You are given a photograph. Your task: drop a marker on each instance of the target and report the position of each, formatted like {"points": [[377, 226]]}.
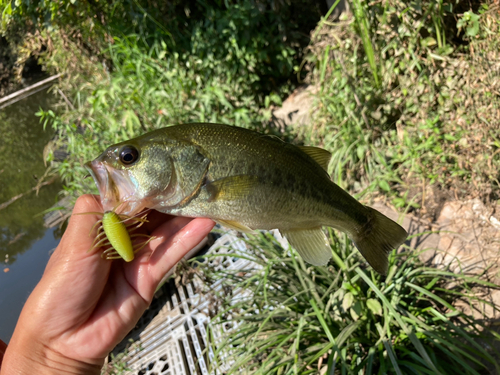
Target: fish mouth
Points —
{"points": [[110, 196], [116, 188]]}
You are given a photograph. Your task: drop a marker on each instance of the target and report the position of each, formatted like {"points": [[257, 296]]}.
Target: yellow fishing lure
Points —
{"points": [[114, 234]]}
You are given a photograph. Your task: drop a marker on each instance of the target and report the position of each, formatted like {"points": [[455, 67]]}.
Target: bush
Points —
{"points": [[255, 41]]}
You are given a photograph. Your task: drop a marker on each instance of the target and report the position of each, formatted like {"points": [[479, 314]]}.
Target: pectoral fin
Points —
{"points": [[311, 244], [235, 225], [231, 188]]}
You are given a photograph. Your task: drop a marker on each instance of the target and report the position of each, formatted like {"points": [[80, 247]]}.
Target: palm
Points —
{"points": [[99, 301]]}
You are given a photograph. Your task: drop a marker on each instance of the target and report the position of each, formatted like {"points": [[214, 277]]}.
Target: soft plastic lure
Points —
{"points": [[114, 234]]}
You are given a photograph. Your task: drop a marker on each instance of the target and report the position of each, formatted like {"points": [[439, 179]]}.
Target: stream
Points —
{"points": [[25, 243]]}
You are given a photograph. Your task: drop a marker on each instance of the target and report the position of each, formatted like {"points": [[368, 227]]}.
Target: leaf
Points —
{"points": [[473, 29], [399, 202], [375, 306], [347, 302], [470, 22], [361, 151], [321, 319], [392, 357], [356, 310], [428, 42], [384, 185]]}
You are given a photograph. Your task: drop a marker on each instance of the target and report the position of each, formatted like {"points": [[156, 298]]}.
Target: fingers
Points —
{"points": [[171, 250], [88, 203], [77, 238], [82, 219], [174, 240], [73, 254], [155, 219], [74, 279]]}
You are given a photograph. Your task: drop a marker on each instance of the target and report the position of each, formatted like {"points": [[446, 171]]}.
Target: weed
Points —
{"points": [[400, 100], [231, 64], [293, 318]]}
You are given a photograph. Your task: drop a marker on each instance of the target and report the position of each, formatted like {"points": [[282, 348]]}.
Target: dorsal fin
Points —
{"points": [[320, 156]]}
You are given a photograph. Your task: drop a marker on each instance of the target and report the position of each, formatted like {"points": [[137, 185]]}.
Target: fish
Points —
{"points": [[245, 181]]}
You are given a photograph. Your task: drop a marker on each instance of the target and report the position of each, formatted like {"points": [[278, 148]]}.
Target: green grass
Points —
{"points": [[292, 318], [406, 97]]}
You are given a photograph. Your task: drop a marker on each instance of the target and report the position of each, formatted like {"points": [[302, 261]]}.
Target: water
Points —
{"points": [[25, 244]]}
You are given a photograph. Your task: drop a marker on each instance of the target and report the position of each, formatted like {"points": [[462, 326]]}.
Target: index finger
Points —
{"points": [[154, 220], [174, 239]]}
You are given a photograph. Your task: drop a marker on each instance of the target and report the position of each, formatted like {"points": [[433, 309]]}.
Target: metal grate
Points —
{"points": [[171, 337]]}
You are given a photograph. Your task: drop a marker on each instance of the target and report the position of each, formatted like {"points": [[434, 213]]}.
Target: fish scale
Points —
{"points": [[246, 181]]}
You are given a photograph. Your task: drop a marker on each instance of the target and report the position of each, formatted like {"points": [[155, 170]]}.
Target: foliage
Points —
{"points": [[6, 65], [116, 365], [291, 318], [137, 66], [470, 22], [432, 117], [262, 39]]}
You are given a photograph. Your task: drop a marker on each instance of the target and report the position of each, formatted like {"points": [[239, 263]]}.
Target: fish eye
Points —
{"points": [[129, 155]]}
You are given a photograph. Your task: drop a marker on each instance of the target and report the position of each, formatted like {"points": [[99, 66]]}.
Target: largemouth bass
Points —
{"points": [[246, 181]]}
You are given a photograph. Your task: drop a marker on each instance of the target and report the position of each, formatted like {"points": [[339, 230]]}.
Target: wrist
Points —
{"points": [[36, 358]]}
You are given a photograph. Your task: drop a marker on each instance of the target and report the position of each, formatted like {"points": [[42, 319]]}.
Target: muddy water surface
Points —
{"points": [[25, 243]]}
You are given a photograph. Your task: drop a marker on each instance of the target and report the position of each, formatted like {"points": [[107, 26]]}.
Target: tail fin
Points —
{"points": [[378, 238]]}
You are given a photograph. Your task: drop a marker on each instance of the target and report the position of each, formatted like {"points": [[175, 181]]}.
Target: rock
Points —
{"points": [[465, 238], [469, 234], [296, 109], [424, 238], [468, 238]]}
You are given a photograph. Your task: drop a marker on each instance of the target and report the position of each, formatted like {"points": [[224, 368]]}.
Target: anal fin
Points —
{"points": [[312, 244], [235, 225]]}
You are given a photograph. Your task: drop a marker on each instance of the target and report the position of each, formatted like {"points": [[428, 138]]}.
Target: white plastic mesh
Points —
{"points": [[171, 337]]}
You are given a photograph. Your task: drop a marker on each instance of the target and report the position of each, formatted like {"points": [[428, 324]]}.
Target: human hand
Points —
{"points": [[84, 305]]}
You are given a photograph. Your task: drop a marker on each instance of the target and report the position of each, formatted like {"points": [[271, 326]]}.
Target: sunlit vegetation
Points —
{"points": [[407, 95], [288, 317]]}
